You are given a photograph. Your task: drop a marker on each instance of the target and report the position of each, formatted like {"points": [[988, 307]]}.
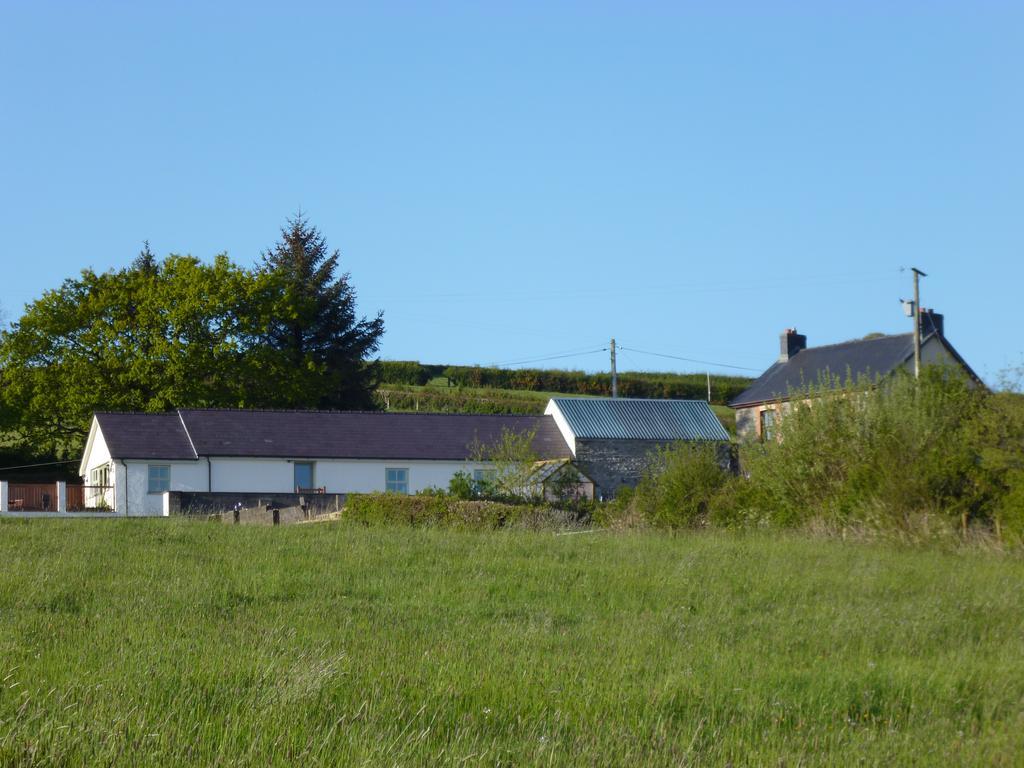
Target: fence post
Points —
{"points": [[62, 496], [3, 496], [166, 511]]}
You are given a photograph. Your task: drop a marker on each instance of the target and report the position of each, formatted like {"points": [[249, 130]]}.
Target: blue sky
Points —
{"points": [[516, 181]]}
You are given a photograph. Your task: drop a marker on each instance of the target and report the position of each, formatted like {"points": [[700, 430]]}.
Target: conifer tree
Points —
{"points": [[316, 349]]}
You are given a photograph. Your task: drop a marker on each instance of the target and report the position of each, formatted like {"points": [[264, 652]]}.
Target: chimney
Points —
{"points": [[931, 322], [791, 342]]}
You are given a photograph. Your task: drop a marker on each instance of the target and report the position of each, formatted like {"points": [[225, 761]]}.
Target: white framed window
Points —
{"points": [[99, 476], [304, 475], [481, 476], [159, 478], [396, 480]]}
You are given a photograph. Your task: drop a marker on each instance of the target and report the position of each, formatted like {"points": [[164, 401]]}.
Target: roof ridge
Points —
{"points": [[179, 411], [631, 399], [854, 341]]}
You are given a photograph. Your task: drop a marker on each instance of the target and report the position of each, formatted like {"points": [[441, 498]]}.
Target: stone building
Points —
{"points": [[764, 402]]}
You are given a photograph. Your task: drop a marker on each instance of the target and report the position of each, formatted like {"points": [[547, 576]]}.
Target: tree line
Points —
{"points": [[178, 332]]}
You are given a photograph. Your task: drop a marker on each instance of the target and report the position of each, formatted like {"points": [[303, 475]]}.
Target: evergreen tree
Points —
{"points": [[315, 348]]}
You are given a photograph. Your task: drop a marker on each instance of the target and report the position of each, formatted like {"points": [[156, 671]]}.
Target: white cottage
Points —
{"points": [[140, 456]]}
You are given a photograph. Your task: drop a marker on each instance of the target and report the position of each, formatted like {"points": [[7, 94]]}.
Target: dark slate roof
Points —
{"points": [[628, 418], [145, 436], [321, 434], [873, 357]]}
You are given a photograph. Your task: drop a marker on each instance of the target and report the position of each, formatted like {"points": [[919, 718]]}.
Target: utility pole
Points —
{"points": [[917, 321], [709, 387], [615, 375]]}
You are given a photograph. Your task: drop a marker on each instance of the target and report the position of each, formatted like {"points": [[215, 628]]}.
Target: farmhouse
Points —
{"points": [[799, 366], [139, 457]]}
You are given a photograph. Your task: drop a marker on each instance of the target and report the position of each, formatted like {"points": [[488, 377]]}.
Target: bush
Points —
{"points": [[885, 455], [921, 457], [680, 486]]}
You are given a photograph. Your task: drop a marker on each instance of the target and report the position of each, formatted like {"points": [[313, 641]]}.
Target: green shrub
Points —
{"points": [[680, 486], [879, 454]]}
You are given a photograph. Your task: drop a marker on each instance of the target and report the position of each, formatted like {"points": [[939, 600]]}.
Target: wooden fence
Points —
{"points": [[90, 498], [43, 497], [32, 497]]}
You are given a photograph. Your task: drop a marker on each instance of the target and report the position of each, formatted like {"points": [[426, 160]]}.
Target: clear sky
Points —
{"points": [[512, 181]]}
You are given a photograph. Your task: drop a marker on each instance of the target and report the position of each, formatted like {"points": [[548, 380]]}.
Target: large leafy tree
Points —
{"points": [[315, 349], [150, 337]]}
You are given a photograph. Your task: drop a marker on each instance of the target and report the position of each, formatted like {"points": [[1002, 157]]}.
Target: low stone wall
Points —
{"points": [[189, 503], [267, 515]]}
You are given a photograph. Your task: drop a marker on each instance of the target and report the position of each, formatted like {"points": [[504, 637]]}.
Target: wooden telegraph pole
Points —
{"points": [[615, 375], [917, 321]]}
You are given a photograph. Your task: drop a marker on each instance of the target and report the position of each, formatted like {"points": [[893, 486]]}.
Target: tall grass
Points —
{"points": [[175, 642]]}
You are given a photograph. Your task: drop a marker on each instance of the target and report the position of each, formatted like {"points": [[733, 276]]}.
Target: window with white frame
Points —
{"points": [[100, 476], [767, 425], [484, 475], [396, 480], [159, 478]]}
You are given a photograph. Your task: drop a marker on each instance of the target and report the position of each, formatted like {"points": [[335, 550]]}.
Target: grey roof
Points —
{"points": [[318, 434], [874, 357], [145, 436], [628, 418]]}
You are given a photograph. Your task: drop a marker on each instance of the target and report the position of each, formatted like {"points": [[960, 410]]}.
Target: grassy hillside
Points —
{"points": [[437, 395], [168, 642]]}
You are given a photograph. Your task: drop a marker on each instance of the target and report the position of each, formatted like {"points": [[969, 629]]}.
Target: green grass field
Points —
{"points": [[175, 642]]}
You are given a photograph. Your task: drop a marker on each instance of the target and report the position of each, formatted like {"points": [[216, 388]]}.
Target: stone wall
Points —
{"points": [[190, 503], [746, 423], [613, 464]]}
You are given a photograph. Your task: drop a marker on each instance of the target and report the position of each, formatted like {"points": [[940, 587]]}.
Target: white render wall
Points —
{"points": [[568, 435], [336, 475], [185, 476], [98, 456], [277, 476]]}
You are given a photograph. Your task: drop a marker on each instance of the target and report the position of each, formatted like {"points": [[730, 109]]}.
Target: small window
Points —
{"points": [[99, 476], [396, 480], [159, 478], [484, 477], [767, 425], [304, 475]]}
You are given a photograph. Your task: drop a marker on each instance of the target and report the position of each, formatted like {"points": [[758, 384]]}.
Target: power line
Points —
{"points": [[691, 360], [43, 464], [549, 357]]}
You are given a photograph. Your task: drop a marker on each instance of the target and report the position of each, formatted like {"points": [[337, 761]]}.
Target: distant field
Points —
{"points": [[436, 395], [172, 642]]}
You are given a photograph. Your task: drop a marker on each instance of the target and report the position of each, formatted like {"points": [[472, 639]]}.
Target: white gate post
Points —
{"points": [[62, 496], [3, 496]]}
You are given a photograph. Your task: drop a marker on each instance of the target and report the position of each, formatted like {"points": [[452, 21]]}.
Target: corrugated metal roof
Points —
{"points": [[628, 418]]}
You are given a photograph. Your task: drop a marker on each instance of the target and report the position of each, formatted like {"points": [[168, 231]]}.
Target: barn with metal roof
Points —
{"points": [[612, 440]]}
